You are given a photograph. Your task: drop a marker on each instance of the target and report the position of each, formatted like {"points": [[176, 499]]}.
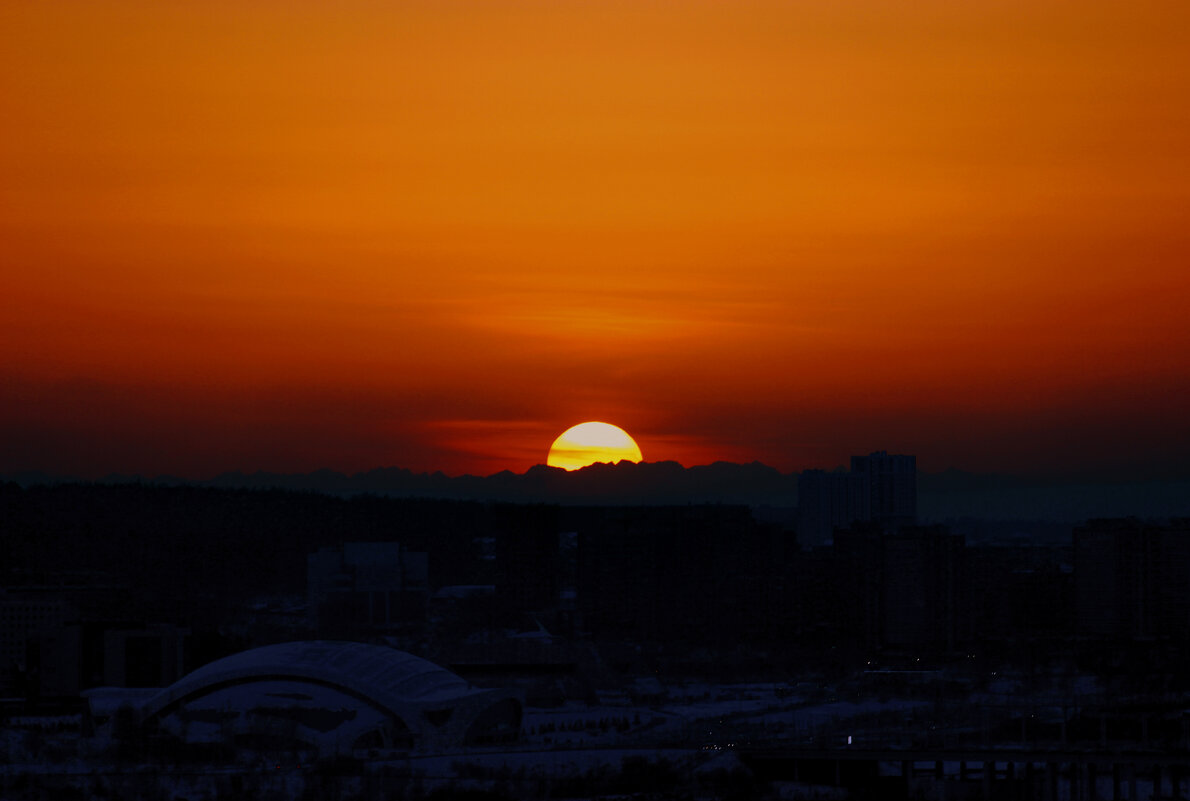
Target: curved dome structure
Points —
{"points": [[334, 697]]}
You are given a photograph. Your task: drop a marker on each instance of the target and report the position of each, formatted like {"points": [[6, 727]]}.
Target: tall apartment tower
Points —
{"points": [[827, 501], [1132, 578], [901, 589], [891, 481], [880, 488]]}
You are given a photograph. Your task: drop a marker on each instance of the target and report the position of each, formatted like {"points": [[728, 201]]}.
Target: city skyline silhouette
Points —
{"points": [[522, 400]]}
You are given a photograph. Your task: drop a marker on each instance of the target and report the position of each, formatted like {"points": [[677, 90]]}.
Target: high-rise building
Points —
{"points": [[923, 581], [1132, 578], [903, 589], [826, 501], [891, 480], [880, 488]]}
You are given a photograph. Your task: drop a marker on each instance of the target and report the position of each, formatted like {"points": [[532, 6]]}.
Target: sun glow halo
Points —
{"points": [[588, 443]]}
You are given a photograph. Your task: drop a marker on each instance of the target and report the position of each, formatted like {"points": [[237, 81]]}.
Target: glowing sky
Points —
{"points": [[291, 235]]}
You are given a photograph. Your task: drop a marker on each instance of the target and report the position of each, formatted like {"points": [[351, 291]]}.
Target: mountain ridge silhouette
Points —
{"points": [[946, 495]]}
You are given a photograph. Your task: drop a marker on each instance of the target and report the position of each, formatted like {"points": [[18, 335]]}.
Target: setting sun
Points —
{"points": [[588, 443]]}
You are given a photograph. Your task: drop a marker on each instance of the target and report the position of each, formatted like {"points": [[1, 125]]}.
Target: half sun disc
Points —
{"points": [[588, 443]]}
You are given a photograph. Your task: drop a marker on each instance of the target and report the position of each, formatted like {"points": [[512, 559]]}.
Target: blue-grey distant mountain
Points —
{"points": [[650, 483], [944, 496]]}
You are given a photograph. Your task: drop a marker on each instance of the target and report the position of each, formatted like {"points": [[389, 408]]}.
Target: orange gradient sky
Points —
{"points": [[291, 235]]}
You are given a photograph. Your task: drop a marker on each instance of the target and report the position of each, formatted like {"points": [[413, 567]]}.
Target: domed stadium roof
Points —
{"points": [[372, 669], [433, 705]]}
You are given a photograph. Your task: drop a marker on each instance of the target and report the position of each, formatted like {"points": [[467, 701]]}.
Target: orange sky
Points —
{"points": [[290, 235]]}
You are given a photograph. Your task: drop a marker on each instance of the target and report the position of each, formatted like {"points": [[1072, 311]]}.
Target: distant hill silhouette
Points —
{"points": [[626, 483], [943, 496]]}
